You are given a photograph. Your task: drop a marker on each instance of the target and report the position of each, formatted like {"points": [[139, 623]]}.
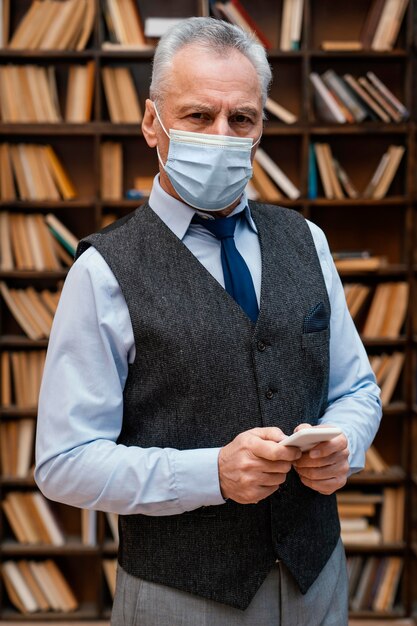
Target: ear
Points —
{"points": [[148, 121]]}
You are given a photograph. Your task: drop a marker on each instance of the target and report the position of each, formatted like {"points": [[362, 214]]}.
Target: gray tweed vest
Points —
{"points": [[204, 373]]}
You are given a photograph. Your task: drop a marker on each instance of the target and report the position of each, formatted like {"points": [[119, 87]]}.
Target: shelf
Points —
{"points": [[73, 548], [18, 341], [393, 476], [33, 275], [16, 412], [387, 226]]}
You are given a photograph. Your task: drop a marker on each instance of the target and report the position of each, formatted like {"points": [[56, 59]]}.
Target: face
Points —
{"points": [[206, 94]]}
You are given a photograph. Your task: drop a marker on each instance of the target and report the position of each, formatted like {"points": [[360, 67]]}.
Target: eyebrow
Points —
{"points": [[204, 108]]}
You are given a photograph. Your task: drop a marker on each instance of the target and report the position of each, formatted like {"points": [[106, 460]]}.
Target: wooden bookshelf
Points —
{"points": [[387, 227]]}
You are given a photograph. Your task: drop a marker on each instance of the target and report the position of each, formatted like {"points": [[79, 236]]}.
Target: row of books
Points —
{"points": [[35, 242], [371, 518], [31, 519], [33, 310], [374, 462], [124, 25], [386, 314], [37, 172], [21, 374], [358, 261], [349, 99], [16, 447], [37, 586], [68, 24], [337, 184], [121, 95], [373, 582], [53, 25], [387, 369], [28, 94], [112, 172], [380, 28]]}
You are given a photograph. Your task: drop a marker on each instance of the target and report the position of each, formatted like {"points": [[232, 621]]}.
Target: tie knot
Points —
{"points": [[221, 227]]}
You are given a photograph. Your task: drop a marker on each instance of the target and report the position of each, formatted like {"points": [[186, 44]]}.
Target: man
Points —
{"points": [[164, 398]]}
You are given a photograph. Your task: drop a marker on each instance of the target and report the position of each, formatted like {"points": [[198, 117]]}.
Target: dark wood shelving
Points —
{"points": [[387, 227]]}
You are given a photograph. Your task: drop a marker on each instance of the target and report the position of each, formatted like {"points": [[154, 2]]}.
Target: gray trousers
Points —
{"points": [[278, 602]]}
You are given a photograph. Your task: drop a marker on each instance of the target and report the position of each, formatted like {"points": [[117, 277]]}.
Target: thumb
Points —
{"points": [[269, 433], [302, 427]]}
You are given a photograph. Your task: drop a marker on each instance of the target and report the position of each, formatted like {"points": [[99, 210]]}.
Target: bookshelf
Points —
{"points": [[386, 226]]}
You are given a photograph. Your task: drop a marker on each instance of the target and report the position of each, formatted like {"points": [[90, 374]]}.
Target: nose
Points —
{"points": [[221, 126]]}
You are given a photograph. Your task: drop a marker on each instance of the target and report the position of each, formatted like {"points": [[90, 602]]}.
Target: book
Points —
{"points": [[279, 111], [18, 591], [234, 12], [280, 179], [337, 86], [374, 461], [394, 156], [374, 109], [348, 45], [390, 111], [326, 106], [121, 95], [62, 233], [60, 176], [324, 169], [55, 25], [312, 173], [388, 95], [387, 311], [111, 161], [124, 24], [389, 25], [264, 185], [345, 180], [371, 21], [80, 90], [388, 586]]}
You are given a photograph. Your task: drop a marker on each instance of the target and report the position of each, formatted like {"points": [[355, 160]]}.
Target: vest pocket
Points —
{"points": [[311, 340]]}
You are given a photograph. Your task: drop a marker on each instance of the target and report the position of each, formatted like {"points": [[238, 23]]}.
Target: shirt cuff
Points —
{"points": [[196, 477]]}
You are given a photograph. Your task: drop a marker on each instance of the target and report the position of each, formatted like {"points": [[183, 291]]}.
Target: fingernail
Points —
{"points": [[315, 454]]}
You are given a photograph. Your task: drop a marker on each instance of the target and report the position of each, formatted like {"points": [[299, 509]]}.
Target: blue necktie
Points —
{"points": [[237, 278]]}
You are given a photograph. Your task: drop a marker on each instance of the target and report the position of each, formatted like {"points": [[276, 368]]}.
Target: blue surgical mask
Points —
{"points": [[208, 172]]}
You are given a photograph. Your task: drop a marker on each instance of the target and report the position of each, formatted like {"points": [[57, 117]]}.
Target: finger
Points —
{"points": [[325, 487], [307, 461], [327, 448], [271, 451], [302, 426], [271, 433], [324, 473]]}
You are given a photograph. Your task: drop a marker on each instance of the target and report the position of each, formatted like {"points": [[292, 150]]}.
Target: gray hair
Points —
{"points": [[217, 36]]}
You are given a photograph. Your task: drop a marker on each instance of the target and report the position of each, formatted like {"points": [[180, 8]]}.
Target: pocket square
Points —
{"points": [[316, 319]]}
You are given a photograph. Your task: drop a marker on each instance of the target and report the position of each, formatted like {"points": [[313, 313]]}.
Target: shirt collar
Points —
{"points": [[177, 215]]}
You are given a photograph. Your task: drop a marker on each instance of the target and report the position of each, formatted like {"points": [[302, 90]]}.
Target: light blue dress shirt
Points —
{"points": [[91, 344]]}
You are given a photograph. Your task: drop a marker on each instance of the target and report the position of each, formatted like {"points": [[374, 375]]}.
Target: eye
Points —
{"points": [[198, 115], [240, 118]]}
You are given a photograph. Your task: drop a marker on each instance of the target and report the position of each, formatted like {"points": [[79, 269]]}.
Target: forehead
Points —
{"points": [[197, 72]]}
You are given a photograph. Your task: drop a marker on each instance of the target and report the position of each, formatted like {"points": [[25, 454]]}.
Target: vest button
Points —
{"points": [[269, 394], [261, 346]]}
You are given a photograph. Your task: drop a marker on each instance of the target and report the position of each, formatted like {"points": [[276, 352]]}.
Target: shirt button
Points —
{"points": [[261, 346], [269, 394]]}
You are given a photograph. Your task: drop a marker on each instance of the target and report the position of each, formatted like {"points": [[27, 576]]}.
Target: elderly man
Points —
{"points": [[191, 338]]}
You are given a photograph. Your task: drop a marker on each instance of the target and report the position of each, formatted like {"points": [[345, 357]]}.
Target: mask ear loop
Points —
{"points": [[159, 120], [165, 131]]}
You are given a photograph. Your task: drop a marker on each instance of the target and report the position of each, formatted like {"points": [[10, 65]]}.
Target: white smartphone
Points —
{"points": [[307, 438]]}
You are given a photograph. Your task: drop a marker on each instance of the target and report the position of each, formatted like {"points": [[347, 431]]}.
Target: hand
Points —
{"points": [[252, 466], [325, 467]]}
